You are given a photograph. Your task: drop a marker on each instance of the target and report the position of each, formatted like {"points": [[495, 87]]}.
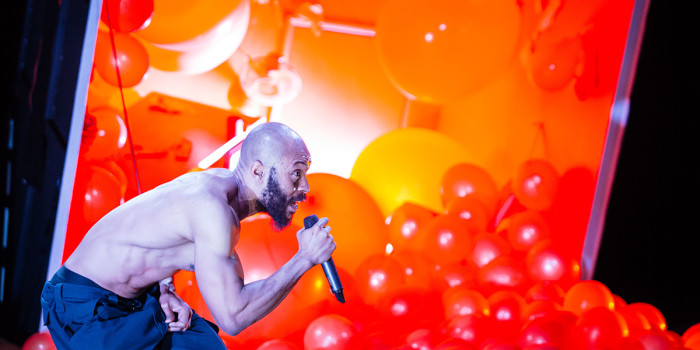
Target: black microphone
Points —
{"points": [[328, 266]]}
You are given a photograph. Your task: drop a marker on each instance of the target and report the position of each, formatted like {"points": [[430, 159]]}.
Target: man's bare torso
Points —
{"points": [[152, 236]]}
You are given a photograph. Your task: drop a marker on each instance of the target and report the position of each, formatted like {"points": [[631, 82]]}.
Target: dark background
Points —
{"points": [[648, 252]]}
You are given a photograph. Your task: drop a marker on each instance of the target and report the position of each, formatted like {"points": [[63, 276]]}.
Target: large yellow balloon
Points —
{"points": [[407, 165]]}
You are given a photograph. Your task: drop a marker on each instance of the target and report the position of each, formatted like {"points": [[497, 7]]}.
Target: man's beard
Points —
{"points": [[274, 202]]}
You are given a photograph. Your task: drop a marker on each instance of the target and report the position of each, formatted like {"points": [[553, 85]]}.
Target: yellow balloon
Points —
{"points": [[407, 165]]}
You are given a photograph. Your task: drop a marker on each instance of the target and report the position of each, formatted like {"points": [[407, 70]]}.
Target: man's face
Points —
{"points": [[278, 204]]}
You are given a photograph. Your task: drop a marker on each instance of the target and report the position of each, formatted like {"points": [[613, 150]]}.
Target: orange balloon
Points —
{"points": [[405, 223], [586, 295], [552, 66], [183, 25], [131, 59], [417, 268], [535, 184], [468, 180], [488, 246], [545, 290], [104, 133], [503, 273], [357, 224], [386, 167], [546, 264], [450, 49], [471, 211]]}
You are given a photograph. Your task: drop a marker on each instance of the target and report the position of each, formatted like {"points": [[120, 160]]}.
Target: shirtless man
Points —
{"points": [[107, 293]]}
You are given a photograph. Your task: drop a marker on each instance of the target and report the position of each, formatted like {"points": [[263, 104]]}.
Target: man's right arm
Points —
{"points": [[236, 305]]}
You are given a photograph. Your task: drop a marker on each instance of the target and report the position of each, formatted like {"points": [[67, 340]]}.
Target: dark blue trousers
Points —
{"points": [[82, 315]]}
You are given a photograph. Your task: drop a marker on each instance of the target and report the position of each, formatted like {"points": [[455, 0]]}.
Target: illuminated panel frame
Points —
{"points": [[618, 119]]}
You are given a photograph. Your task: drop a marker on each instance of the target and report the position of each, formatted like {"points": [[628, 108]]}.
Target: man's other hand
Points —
{"points": [[177, 313]]}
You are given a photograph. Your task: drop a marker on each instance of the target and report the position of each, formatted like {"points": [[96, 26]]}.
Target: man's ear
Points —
{"points": [[258, 171]]}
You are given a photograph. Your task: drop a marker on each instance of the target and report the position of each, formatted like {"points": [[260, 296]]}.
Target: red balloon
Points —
{"points": [[503, 273], [330, 332], [545, 264], [422, 339], [656, 340], [39, 341], [586, 295], [406, 309], [131, 59], [418, 270], [127, 15], [487, 247], [469, 181], [405, 224], [378, 275], [472, 211], [600, 328], [691, 331], [104, 133], [471, 328], [636, 322], [276, 344], [526, 229], [535, 184], [461, 301], [99, 192], [553, 329], [539, 308], [506, 312], [447, 240], [461, 273], [545, 290], [455, 344], [651, 313]]}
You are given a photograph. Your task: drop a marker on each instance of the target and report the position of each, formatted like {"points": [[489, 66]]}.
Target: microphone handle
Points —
{"points": [[332, 276]]}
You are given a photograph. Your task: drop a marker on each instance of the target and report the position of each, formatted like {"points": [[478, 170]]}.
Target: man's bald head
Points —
{"points": [[271, 143]]}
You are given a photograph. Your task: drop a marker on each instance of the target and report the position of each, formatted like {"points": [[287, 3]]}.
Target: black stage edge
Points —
{"points": [[41, 48], [649, 251]]}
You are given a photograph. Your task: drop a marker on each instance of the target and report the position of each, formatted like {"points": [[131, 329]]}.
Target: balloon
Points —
{"points": [[445, 53], [455, 344], [461, 273], [466, 180], [586, 295], [104, 133], [545, 290], [330, 332], [98, 190], [504, 273], [378, 275], [471, 211], [555, 329], [422, 339], [131, 59], [654, 339], [446, 240], [357, 224], [600, 328], [461, 301], [552, 66], [386, 167], [405, 223], [651, 313], [407, 308], [636, 322], [539, 308], [471, 328], [127, 15], [526, 229], [535, 184], [545, 264], [691, 331], [39, 341], [488, 246], [276, 344], [207, 23], [506, 312], [418, 270]]}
